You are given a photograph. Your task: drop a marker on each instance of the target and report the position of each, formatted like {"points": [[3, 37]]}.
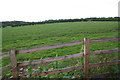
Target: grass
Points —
{"points": [[49, 34]]}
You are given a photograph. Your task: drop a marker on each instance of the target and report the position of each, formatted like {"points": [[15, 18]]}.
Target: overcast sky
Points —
{"points": [[39, 10]]}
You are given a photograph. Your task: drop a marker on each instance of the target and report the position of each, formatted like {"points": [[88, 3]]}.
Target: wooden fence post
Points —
{"points": [[86, 56], [14, 63]]}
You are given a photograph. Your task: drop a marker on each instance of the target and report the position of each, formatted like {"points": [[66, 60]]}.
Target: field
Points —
{"points": [[56, 33]]}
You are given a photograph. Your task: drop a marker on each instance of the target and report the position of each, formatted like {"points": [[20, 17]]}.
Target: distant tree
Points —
{"points": [[22, 23]]}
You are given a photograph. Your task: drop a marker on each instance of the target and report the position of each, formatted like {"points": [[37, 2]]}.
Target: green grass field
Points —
{"points": [[49, 34]]}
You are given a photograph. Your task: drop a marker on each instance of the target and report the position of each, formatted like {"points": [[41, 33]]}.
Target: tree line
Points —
{"points": [[23, 23]]}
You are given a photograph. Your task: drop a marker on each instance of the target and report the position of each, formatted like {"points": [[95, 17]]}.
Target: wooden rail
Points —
{"points": [[103, 75], [15, 65], [56, 71], [49, 60], [5, 55], [73, 68], [5, 68], [65, 44], [104, 64], [59, 45]]}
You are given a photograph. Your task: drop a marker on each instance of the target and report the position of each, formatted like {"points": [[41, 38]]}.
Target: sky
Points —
{"points": [[40, 10]]}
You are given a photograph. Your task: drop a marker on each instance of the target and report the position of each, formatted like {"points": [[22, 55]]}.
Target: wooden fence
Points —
{"points": [[17, 66]]}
